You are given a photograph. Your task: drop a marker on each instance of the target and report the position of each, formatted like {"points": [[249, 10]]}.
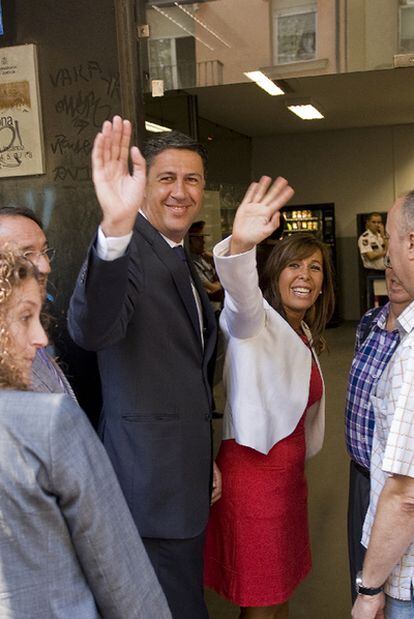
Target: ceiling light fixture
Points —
{"points": [[264, 82], [202, 24], [177, 23], [305, 109], [155, 128]]}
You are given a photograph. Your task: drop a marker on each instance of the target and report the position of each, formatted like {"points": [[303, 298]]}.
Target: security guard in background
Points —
{"points": [[373, 246]]}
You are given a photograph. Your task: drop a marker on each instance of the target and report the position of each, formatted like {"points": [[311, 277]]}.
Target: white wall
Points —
{"points": [[360, 170], [371, 33]]}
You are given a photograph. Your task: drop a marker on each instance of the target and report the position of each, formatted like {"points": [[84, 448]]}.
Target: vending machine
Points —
{"points": [[319, 219]]}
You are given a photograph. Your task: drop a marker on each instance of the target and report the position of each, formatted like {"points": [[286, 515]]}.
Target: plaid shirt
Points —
{"points": [[372, 355], [393, 444]]}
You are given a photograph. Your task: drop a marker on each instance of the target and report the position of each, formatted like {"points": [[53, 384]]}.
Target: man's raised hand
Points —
{"points": [[120, 194]]}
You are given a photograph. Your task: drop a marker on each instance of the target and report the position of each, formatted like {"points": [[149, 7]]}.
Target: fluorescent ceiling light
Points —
{"points": [[149, 126], [264, 82], [306, 111]]}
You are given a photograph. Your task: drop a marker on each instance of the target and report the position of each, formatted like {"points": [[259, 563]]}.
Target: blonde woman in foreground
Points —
{"points": [[69, 547]]}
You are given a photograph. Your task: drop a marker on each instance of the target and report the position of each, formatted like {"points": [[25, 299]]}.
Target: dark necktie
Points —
{"points": [[180, 253], [179, 250]]}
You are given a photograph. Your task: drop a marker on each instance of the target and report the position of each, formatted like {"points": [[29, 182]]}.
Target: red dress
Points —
{"points": [[257, 545]]}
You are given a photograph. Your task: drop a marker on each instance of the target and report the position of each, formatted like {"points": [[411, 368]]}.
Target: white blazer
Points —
{"points": [[267, 366]]}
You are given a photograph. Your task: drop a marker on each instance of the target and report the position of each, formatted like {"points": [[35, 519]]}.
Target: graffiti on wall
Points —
{"points": [[85, 95]]}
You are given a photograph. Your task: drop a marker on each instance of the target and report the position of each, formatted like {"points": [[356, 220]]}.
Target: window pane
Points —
{"points": [[407, 29], [296, 36]]}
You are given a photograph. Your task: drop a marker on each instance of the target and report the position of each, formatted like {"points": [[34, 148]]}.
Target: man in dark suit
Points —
{"points": [[139, 303]]}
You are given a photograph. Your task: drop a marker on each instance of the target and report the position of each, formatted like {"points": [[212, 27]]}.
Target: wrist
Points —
{"points": [[116, 228], [239, 247], [366, 589]]}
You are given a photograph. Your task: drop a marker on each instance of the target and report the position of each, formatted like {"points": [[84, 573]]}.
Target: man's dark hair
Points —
{"points": [[172, 139], [20, 211]]}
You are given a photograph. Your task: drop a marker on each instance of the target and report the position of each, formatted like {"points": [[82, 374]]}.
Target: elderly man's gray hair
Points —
{"points": [[407, 212]]}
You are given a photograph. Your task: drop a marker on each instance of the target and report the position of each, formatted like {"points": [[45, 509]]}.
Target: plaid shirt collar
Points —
{"points": [[380, 319]]}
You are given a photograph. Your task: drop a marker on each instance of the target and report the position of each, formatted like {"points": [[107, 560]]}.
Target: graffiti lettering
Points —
{"points": [[79, 173], [112, 86], [79, 123], [63, 144], [80, 73], [85, 107]]}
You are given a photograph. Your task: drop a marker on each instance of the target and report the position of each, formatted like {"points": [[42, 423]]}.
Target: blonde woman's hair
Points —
{"points": [[14, 270]]}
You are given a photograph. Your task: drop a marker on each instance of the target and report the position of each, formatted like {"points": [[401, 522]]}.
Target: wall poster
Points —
{"points": [[21, 135]]}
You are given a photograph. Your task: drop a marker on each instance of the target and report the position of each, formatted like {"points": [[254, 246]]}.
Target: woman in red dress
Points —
{"points": [[257, 545]]}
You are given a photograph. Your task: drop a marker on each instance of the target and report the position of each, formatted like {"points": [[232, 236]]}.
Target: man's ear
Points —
{"points": [[411, 245]]}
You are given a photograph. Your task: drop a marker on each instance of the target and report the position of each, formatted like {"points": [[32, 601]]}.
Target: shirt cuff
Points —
{"points": [[111, 247], [222, 250]]}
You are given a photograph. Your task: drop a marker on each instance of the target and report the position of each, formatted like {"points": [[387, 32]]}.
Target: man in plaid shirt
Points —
{"points": [[386, 582], [376, 340]]}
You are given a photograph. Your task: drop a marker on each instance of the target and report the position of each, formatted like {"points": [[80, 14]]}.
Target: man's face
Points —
{"points": [[174, 192], [196, 244], [374, 223], [26, 236], [398, 248], [397, 294]]}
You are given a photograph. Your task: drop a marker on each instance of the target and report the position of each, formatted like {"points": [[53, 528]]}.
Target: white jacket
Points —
{"points": [[267, 366]]}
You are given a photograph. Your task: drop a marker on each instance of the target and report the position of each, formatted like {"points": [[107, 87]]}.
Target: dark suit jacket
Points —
{"points": [[155, 422]]}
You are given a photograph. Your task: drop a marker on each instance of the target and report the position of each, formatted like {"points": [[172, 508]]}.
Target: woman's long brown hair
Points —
{"points": [[297, 247]]}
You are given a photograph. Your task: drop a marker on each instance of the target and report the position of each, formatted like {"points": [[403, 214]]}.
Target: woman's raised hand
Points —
{"points": [[119, 193], [258, 215]]}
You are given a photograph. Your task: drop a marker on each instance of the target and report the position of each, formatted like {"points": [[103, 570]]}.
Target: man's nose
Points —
{"points": [[178, 190], [42, 262]]}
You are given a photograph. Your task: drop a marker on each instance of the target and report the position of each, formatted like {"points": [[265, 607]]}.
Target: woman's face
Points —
{"points": [[300, 283], [23, 322]]}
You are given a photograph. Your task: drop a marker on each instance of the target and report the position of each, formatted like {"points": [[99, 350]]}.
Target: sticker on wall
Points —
{"points": [[21, 135]]}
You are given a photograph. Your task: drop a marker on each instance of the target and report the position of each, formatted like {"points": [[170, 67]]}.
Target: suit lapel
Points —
{"points": [[209, 319]]}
